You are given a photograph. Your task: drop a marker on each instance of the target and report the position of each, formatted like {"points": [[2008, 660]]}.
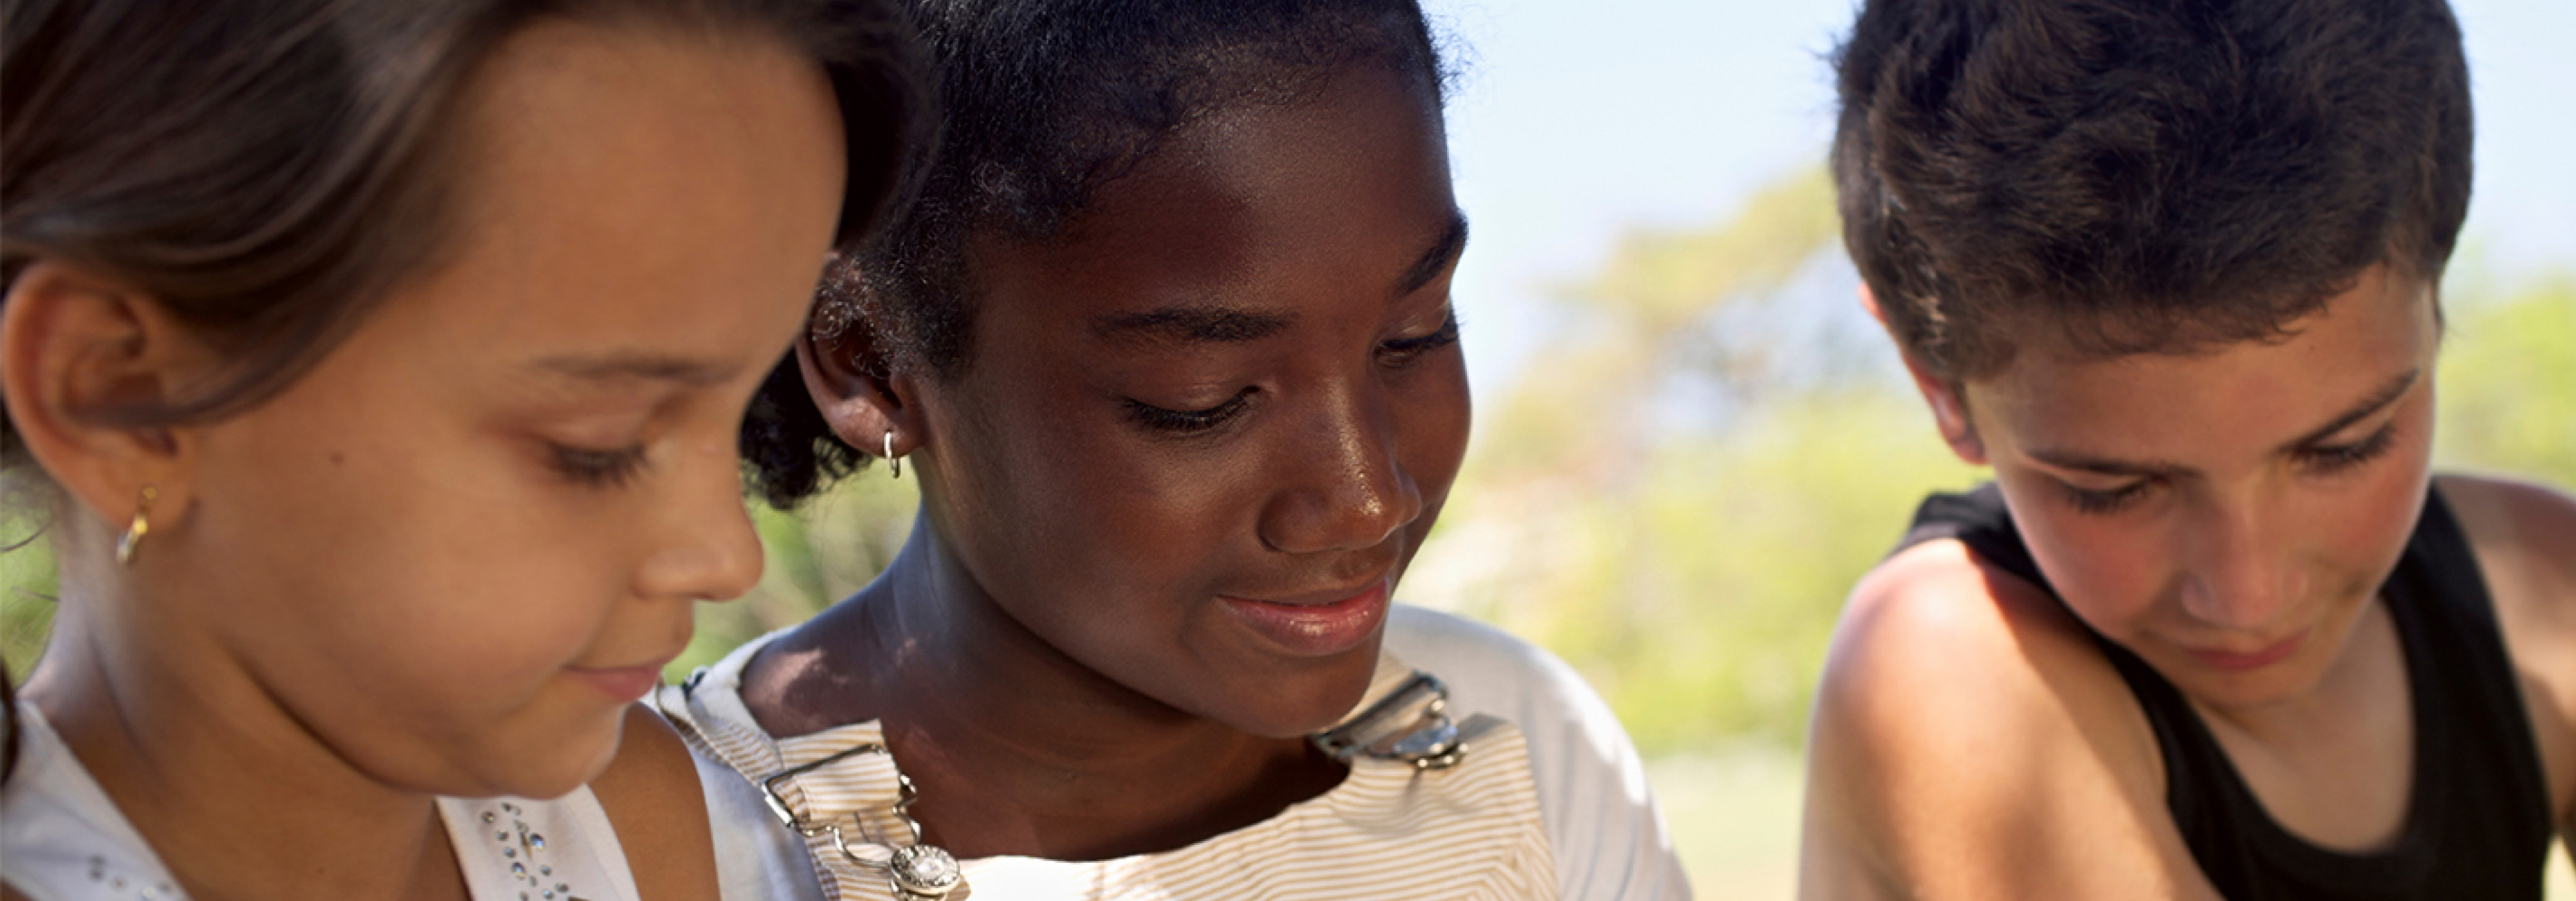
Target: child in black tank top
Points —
{"points": [[2478, 822], [2216, 631]]}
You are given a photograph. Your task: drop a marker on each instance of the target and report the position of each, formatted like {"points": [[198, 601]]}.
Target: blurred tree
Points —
{"points": [[2508, 384], [27, 581], [1677, 494]]}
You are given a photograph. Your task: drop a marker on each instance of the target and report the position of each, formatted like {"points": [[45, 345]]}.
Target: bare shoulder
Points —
{"points": [[1970, 741], [652, 797], [1937, 648], [2524, 536]]}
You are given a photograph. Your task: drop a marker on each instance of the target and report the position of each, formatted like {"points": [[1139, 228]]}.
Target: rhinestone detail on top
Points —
{"points": [[525, 849]]}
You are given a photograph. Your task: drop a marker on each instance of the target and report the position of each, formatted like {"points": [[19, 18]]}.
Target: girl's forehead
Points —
{"points": [[1340, 194]]}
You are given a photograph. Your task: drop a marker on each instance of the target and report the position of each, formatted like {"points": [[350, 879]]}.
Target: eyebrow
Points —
{"points": [[1212, 323], [1193, 324], [2377, 400], [631, 365], [1444, 251]]}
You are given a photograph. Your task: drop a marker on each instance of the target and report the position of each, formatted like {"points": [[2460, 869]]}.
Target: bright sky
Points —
{"points": [[1579, 119]]}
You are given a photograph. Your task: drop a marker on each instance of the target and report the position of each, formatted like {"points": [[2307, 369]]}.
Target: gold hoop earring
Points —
{"points": [[891, 460], [135, 531]]}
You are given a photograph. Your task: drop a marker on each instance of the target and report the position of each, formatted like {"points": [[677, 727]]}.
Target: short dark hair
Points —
{"points": [[268, 169], [2147, 175], [1044, 101]]}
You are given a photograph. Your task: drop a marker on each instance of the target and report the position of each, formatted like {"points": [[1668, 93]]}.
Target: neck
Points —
{"points": [[2335, 764], [1018, 748], [233, 794]]}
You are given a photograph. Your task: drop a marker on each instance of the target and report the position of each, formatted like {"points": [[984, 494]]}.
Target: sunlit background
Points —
{"points": [[1690, 439]]}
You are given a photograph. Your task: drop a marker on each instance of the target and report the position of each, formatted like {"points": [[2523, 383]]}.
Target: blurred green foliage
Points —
{"points": [[2508, 383], [1678, 492], [27, 580]]}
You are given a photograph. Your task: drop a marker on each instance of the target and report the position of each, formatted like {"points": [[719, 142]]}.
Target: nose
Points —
{"points": [[2240, 572], [1349, 490], [705, 546]]}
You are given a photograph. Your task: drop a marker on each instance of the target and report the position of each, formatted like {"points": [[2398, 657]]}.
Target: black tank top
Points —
{"points": [[2477, 821]]}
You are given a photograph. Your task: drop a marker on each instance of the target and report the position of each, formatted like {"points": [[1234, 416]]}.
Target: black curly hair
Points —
{"points": [[2148, 175], [1043, 101]]}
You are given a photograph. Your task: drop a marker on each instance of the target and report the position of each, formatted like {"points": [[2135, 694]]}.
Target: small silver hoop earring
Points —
{"points": [[892, 460]]}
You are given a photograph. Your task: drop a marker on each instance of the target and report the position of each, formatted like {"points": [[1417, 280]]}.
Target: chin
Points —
{"points": [[1301, 707], [2285, 681], [542, 769]]}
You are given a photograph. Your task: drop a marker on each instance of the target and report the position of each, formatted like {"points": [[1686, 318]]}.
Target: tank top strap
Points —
{"points": [[2501, 803]]}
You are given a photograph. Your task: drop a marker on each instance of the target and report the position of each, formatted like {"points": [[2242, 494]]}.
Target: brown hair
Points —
{"points": [[2146, 176], [267, 169]]}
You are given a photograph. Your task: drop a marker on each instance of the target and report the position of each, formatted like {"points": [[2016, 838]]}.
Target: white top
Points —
{"points": [[62, 839], [1550, 802]]}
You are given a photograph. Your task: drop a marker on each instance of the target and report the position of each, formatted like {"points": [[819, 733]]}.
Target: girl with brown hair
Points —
{"points": [[378, 367]]}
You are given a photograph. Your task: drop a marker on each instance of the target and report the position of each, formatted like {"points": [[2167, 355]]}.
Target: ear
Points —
{"points": [[858, 391], [78, 353], [1945, 396], [1869, 301]]}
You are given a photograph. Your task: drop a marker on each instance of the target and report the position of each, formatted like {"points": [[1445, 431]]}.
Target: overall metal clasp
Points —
{"points": [[916, 871], [1411, 725]]}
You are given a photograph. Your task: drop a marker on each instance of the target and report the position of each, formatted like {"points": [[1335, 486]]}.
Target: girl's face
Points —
{"points": [[1204, 432], [461, 544], [2229, 515]]}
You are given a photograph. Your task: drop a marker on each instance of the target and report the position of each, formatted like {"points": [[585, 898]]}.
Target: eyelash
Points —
{"points": [[2329, 460], [2105, 503], [1189, 421], [1402, 351], [2323, 460], [597, 468], [1398, 352]]}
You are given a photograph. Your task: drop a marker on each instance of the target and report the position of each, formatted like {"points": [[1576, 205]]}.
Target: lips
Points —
{"points": [[1315, 627], [621, 683], [2246, 661]]}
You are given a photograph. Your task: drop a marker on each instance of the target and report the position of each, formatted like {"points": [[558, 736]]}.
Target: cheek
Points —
{"points": [[2363, 522], [1061, 520], [1434, 420], [397, 576], [2108, 570]]}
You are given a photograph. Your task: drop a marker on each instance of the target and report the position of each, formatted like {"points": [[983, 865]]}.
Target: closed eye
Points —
{"points": [[1189, 421], [2104, 502], [595, 468], [1401, 351], [2337, 458]]}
